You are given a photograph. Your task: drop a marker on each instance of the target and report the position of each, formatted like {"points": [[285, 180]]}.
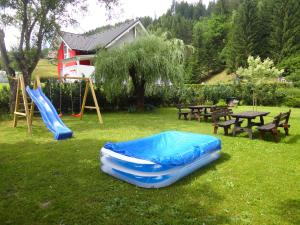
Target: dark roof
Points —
{"points": [[86, 42]]}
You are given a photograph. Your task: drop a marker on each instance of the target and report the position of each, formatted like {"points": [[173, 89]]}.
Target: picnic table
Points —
{"points": [[200, 110], [249, 115]]}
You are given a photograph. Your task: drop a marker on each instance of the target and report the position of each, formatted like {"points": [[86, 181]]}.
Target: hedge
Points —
{"points": [[268, 95]]}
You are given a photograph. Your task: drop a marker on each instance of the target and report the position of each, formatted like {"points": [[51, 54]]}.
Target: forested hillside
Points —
{"points": [[226, 32]]}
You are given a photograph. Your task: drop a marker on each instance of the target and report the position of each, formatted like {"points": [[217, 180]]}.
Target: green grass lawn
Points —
{"points": [[45, 69], [220, 78], [44, 181]]}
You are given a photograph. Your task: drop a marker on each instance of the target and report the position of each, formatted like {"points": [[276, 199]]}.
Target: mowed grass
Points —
{"points": [[44, 181], [220, 78], [45, 69]]}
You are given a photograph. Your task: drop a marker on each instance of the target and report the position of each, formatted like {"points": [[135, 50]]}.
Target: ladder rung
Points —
{"points": [[20, 114], [90, 107]]}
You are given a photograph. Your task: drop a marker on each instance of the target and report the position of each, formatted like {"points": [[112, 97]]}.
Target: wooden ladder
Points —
{"points": [[26, 113]]}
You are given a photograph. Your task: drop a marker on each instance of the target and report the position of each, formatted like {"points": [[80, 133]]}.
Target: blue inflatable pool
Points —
{"points": [[159, 160]]}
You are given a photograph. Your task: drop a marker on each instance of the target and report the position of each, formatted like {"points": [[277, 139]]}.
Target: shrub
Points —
{"points": [[293, 102], [4, 99]]}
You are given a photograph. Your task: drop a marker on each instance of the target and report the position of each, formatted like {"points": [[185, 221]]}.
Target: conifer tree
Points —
{"points": [[244, 37], [285, 35]]}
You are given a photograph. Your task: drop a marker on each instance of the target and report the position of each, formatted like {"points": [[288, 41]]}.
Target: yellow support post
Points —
{"points": [[89, 84], [21, 86]]}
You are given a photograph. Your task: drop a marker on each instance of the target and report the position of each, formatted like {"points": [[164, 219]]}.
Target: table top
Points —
{"points": [[201, 106], [249, 114]]}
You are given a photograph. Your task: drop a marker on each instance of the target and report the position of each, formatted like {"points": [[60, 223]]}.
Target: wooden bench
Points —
{"points": [[226, 123], [183, 111], [207, 114], [282, 120]]}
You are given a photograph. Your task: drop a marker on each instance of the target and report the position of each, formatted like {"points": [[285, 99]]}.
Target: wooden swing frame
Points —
{"points": [[37, 83]]}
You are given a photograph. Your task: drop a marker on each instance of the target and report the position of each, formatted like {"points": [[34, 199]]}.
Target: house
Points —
{"points": [[3, 77], [76, 52]]}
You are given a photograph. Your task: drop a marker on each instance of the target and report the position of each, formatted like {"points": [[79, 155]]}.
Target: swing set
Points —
{"points": [[28, 109]]}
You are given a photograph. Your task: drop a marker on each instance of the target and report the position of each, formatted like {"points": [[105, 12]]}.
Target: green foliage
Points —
{"points": [[293, 102], [179, 20], [285, 33], [143, 66], [222, 7], [208, 40], [244, 36], [4, 99], [258, 71], [291, 66], [222, 102]]}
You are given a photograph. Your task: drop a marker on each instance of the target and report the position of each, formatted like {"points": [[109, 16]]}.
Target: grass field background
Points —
{"points": [[44, 181]]}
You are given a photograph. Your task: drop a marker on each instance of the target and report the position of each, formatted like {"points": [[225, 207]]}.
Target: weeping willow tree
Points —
{"points": [[140, 67]]}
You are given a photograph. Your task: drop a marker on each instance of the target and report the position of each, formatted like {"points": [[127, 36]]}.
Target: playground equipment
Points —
{"points": [[47, 110]]}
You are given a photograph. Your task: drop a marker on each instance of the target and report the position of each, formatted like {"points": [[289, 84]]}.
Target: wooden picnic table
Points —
{"points": [[249, 115], [200, 109]]}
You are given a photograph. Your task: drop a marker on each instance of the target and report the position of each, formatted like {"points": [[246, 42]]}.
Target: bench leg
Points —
{"points": [[185, 116], [275, 135], [286, 130], [250, 134], [261, 135], [226, 130], [215, 129]]}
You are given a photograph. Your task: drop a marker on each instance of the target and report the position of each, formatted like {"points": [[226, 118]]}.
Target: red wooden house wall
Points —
{"points": [[72, 53]]}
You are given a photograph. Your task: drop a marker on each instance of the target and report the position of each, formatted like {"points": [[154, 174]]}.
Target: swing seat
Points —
{"points": [[76, 115]]}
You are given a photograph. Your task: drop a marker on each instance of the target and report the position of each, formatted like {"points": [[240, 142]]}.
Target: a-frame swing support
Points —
{"points": [[89, 85], [26, 113]]}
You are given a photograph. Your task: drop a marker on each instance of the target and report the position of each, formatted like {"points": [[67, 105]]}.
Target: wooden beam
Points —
{"points": [[20, 113], [95, 101], [16, 104], [90, 107]]}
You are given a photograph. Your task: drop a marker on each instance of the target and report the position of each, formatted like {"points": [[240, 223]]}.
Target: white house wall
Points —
{"points": [[128, 37]]}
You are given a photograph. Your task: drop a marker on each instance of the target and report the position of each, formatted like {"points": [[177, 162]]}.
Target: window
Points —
{"points": [[66, 52]]}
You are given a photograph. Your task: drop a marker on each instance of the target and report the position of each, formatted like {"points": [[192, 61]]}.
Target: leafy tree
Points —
{"points": [[37, 21], [140, 67], [291, 66], [209, 35], [258, 72], [285, 25]]}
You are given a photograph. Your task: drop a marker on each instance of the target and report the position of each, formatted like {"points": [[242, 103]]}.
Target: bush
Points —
{"points": [[4, 99], [293, 102]]}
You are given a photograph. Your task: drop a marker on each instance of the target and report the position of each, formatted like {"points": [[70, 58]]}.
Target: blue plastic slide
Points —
{"points": [[49, 114]]}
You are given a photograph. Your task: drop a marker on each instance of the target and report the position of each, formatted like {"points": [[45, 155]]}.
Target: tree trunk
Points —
{"points": [[9, 71], [139, 89], [13, 94], [140, 98]]}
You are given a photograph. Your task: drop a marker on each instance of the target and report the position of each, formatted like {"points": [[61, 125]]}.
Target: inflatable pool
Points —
{"points": [[159, 160]]}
